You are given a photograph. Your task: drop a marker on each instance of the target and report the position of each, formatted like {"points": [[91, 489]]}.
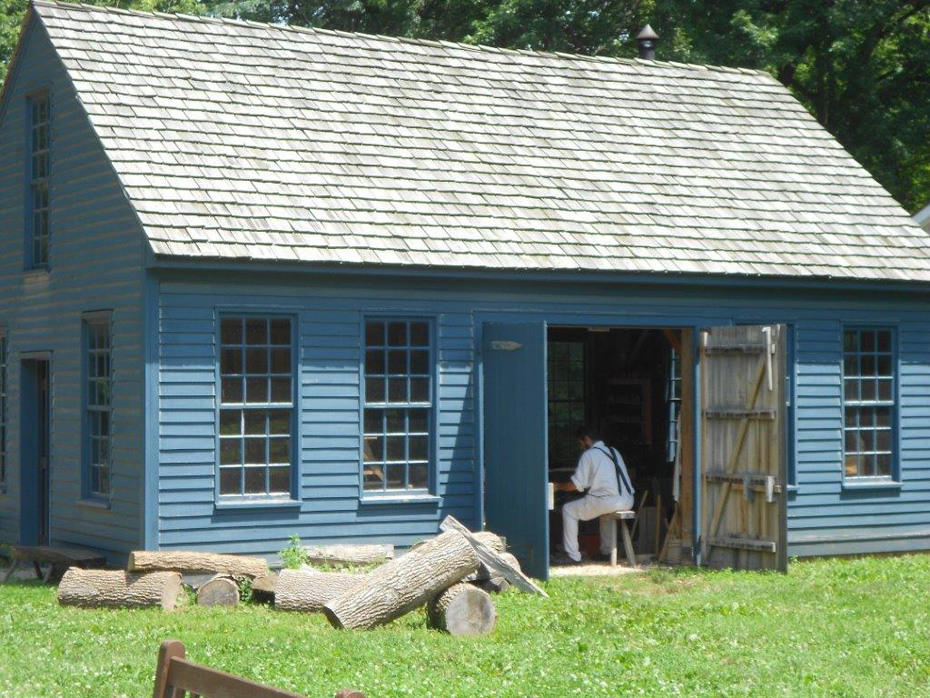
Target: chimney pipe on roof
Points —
{"points": [[647, 40]]}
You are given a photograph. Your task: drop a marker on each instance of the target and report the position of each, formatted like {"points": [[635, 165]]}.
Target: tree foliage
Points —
{"points": [[862, 67]]}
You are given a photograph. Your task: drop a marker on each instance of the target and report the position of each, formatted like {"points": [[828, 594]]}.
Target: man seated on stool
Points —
{"points": [[602, 475]]}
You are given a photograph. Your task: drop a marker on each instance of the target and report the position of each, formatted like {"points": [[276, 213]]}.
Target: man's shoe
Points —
{"points": [[601, 557], [563, 559]]}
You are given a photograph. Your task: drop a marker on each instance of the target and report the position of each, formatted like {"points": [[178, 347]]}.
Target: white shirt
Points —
{"points": [[596, 472]]}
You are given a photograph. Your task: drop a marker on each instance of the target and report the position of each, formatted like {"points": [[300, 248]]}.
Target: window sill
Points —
{"points": [[233, 504], [36, 273], [865, 484], [94, 503], [400, 498]]}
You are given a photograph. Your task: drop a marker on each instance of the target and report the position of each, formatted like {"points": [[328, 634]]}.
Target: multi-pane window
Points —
{"points": [[566, 386], [39, 171], [98, 417], [868, 402], [3, 414], [398, 405], [256, 405]]}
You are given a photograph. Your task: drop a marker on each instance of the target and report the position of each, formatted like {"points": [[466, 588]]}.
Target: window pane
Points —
{"points": [[230, 451], [374, 421], [419, 362], [884, 465], [396, 421], [397, 390], [281, 360], [279, 422], [279, 450], [418, 445], [418, 421], [256, 331], [419, 334], [255, 480], [397, 361], [280, 389], [231, 331], [255, 422], [374, 449], [867, 340], [374, 390], [281, 331], [231, 390], [255, 451], [419, 476], [230, 482], [374, 362], [280, 480], [419, 390], [373, 478], [396, 448], [230, 422], [256, 360], [395, 476], [884, 341], [256, 390], [397, 334], [374, 334]]}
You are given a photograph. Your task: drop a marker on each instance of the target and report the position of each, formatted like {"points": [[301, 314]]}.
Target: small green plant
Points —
{"points": [[294, 555], [245, 588]]}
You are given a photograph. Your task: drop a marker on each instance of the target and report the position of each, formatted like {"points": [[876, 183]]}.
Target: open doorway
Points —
{"points": [[635, 386]]}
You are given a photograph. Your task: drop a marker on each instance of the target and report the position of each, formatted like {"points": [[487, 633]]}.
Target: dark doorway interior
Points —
{"points": [[35, 447], [627, 382]]}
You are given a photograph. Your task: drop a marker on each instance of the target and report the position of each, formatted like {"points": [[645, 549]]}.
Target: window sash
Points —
{"points": [[869, 403], [255, 419], [398, 398], [39, 172], [98, 405]]}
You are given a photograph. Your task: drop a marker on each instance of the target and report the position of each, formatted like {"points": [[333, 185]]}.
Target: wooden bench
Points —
{"points": [[175, 677], [622, 517], [57, 559]]}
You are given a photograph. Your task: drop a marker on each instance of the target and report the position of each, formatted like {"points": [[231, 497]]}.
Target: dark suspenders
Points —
{"points": [[621, 477]]}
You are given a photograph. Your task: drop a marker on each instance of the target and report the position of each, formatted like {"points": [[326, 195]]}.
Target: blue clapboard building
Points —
{"points": [[258, 281]]}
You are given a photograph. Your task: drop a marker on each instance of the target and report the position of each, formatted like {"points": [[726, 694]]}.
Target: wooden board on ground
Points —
{"points": [[188, 562], [350, 553], [493, 560], [58, 559]]}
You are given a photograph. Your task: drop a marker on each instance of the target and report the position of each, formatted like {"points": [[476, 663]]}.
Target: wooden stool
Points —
{"points": [[622, 517]]}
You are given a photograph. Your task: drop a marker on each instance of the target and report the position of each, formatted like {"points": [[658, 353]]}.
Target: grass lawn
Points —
{"points": [[830, 627]]}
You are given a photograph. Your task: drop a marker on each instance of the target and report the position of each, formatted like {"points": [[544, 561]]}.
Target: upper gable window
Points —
{"points": [[40, 165]]}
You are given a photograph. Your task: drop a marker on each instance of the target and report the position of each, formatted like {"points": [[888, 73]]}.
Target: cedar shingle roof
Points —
{"points": [[237, 140]]}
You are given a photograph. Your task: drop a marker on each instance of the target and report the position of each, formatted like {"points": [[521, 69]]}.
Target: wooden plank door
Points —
{"points": [[515, 440], [743, 454]]}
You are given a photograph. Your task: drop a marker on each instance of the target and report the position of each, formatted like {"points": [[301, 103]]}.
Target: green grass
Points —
{"points": [[828, 628]]}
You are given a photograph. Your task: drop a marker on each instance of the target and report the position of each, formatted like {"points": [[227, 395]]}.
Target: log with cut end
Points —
{"points": [[119, 589], [492, 540], [492, 581], [404, 584], [263, 588], [308, 590], [196, 563], [462, 609], [222, 590]]}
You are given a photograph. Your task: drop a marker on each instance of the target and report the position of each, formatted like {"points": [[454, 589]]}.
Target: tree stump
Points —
{"points": [[196, 563], [404, 584], [118, 589], [462, 609], [222, 590], [308, 590]]}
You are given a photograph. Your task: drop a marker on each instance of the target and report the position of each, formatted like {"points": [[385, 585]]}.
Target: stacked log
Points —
{"points": [[309, 590], [119, 589], [349, 554], [404, 584], [196, 563], [263, 588], [462, 609]]}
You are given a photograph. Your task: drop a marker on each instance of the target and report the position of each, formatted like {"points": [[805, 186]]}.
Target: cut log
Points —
{"points": [[349, 693], [404, 584], [492, 586], [196, 563], [462, 609], [222, 590], [350, 554], [493, 560], [263, 588], [308, 589], [118, 589], [485, 573]]}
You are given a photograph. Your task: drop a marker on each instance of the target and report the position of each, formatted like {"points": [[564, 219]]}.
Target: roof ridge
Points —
{"points": [[432, 43]]}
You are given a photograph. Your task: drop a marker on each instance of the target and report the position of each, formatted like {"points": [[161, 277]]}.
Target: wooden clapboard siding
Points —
{"points": [[96, 260], [822, 514]]}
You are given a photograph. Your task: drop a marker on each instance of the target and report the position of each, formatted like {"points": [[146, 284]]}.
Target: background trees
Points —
{"points": [[862, 67]]}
